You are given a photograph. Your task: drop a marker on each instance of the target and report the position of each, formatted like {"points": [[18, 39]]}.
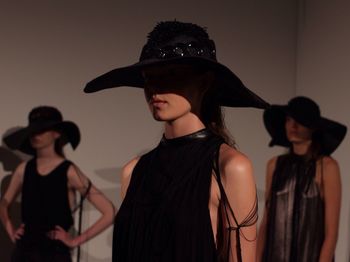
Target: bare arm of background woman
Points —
{"points": [[78, 181], [12, 191], [332, 199]]}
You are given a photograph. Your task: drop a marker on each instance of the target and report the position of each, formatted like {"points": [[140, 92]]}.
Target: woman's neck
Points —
{"points": [[301, 148], [46, 153], [182, 126]]}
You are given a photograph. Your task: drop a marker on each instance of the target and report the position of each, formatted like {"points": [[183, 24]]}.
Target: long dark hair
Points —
{"points": [[59, 144], [315, 147], [212, 115]]}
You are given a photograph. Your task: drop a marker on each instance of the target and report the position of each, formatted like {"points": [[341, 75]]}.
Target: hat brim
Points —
{"points": [[329, 133], [231, 91], [20, 139]]}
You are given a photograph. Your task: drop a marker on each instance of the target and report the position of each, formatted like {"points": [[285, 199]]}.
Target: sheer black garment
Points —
{"points": [[295, 228], [165, 216]]}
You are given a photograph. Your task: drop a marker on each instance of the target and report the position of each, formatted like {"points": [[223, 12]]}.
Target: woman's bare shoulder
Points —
{"points": [[271, 164], [329, 161], [238, 181], [330, 168], [126, 173], [129, 167], [20, 169], [234, 164]]}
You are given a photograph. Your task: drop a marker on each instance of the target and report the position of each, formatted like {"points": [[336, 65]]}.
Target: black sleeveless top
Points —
{"points": [[45, 200], [165, 216], [295, 228]]}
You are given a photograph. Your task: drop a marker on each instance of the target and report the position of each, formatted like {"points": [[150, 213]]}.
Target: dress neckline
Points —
{"points": [[303, 158], [47, 173], [196, 136]]}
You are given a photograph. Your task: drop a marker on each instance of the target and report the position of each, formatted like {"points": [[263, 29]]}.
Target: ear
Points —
{"points": [[56, 134]]}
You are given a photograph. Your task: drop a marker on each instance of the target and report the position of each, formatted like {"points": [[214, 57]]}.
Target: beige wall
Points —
{"points": [[323, 74], [50, 49]]}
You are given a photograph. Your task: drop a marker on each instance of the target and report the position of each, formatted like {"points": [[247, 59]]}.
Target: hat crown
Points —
{"points": [[172, 39], [304, 110], [44, 114]]}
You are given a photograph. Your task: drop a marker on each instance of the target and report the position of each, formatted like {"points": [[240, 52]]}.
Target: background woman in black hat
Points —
{"points": [[193, 197], [303, 187], [48, 183]]}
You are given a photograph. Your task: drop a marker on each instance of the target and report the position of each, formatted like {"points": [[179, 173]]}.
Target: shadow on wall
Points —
{"points": [[113, 177], [89, 256], [9, 161]]}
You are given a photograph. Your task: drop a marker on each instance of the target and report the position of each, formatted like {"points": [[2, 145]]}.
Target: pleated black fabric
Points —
{"points": [[295, 229], [165, 215]]}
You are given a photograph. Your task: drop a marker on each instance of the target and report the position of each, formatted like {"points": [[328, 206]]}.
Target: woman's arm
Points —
{"points": [[262, 228], [239, 185], [12, 191], [78, 181], [332, 199]]}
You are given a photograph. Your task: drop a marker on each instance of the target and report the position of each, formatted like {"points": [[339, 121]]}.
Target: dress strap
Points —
{"points": [[250, 220], [80, 206]]}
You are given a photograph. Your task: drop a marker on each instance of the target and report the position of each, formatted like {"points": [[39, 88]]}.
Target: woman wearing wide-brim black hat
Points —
{"points": [[48, 183], [193, 197], [303, 188], [42, 119]]}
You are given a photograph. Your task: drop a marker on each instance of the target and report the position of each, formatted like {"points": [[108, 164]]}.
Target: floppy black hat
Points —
{"points": [[174, 42], [305, 111], [40, 119]]}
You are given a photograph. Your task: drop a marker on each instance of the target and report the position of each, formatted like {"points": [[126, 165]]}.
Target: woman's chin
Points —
{"points": [[160, 118]]}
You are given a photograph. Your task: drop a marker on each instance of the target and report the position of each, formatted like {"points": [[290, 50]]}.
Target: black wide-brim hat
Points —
{"points": [[43, 118], [181, 48], [305, 111]]}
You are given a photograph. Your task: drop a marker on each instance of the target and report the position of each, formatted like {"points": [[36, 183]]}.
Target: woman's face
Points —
{"points": [[296, 132], [44, 139], [173, 91]]}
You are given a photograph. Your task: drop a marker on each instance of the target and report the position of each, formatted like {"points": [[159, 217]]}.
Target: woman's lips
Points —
{"points": [[158, 102]]}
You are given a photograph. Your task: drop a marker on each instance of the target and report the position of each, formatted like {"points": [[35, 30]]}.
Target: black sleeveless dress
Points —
{"points": [[45, 204], [295, 229], [165, 216]]}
